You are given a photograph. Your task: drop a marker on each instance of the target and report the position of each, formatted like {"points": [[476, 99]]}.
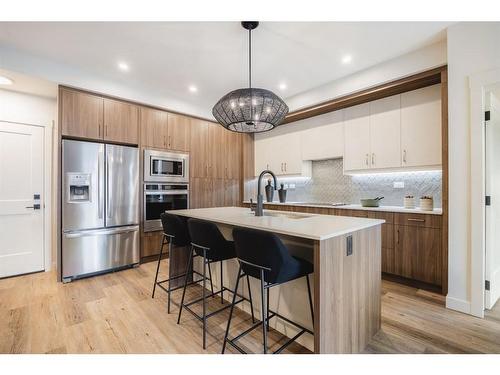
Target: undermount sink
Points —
{"points": [[286, 215]]}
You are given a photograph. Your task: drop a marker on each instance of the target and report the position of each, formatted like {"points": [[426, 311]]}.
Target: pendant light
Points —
{"points": [[250, 110]]}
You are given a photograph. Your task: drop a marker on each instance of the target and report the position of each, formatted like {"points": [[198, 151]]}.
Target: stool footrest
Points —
{"points": [[272, 314]]}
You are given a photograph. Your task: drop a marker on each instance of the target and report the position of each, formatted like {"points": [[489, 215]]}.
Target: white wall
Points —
{"points": [[41, 111], [414, 62], [472, 48]]}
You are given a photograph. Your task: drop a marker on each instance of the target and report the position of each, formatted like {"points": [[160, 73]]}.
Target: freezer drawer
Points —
{"points": [[91, 251]]}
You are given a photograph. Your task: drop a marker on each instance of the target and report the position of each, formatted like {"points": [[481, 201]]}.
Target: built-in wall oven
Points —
{"points": [[160, 166], [160, 197]]}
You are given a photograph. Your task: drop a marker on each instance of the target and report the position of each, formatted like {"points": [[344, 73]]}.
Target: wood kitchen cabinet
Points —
{"points": [[178, 132], [154, 128], [81, 114], [417, 249], [121, 122], [232, 152], [198, 160], [151, 244], [89, 116], [161, 129], [388, 258]]}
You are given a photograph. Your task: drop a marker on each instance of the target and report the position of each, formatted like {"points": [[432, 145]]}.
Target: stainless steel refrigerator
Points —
{"points": [[100, 208]]}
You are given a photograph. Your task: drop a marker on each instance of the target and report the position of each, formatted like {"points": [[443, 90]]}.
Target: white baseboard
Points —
{"points": [[458, 304]]}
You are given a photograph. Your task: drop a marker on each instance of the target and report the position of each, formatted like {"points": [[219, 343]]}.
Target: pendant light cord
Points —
{"points": [[250, 72], [250, 58]]}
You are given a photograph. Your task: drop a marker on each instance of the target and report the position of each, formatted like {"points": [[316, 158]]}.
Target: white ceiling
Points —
{"points": [[165, 58], [28, 84]]}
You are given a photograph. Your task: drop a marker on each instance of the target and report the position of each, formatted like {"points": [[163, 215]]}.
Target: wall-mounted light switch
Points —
{"points": [[399, 185]]}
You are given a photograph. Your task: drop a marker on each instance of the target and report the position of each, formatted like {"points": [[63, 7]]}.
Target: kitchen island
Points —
{"points": [[346, 279]]}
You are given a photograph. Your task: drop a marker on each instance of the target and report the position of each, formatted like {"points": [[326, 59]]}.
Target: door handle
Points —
{"points": [[404, 156], [169, 142], [34, 207], [366, 159], [285, 167], [417, 220], [373, 158], [397, 236]]}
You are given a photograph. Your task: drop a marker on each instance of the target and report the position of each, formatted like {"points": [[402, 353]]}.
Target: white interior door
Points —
{"points": [[492, 179], [21, 178]]}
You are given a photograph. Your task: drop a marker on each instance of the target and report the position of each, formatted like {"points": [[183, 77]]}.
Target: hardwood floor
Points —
{"points": [[114, 313]]}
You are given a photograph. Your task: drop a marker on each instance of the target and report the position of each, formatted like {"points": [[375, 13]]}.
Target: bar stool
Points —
{"points": [[175, 232], [263, 255], [208, 242]]}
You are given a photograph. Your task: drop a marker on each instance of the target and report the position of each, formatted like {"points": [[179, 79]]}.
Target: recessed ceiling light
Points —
{"points": [[123, 66], [193, 88], [5, 81], [282, 86], [346, 59]]}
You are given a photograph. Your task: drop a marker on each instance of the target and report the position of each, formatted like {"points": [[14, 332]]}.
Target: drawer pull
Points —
{"points": [[418, 220]]}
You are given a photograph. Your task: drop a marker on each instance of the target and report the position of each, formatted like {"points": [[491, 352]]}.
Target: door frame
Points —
{"points": [[477, 85], [47, 192]]}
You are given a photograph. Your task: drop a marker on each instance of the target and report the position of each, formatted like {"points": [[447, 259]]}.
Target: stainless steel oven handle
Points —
{"points": [[171, 192]]}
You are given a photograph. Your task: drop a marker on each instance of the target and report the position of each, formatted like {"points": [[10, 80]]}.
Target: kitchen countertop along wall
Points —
{"points": [[328, 184]]}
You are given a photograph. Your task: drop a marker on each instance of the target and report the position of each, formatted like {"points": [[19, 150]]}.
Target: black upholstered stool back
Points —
{"points": [[263, 249], [176, 227], [207, 234]]}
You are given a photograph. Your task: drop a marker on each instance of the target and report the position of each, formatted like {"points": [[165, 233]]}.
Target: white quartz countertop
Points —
{"points": [[311, 226], [436, 211]]}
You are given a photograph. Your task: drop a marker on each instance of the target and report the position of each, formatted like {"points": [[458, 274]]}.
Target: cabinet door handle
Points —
{"points": [[373, 158], [404, 156], [169, 141], [417, 220], [285, 167], [366, 159], [397, 236]]}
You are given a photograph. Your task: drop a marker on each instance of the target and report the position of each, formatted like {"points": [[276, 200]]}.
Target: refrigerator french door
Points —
{"points": [[100, 208]]}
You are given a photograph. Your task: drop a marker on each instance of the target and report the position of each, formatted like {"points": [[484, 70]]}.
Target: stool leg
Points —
{"points": [[210, 275], [190, 260], [168, 294], [231, 310], [263, 308], [310, 298], [203, 296], [250, 298], [221, 283], [158, 265], [267, 310]]}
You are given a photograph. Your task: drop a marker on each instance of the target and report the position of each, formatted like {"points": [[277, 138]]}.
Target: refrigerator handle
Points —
{"points": [[100, 185], [108, 188]]}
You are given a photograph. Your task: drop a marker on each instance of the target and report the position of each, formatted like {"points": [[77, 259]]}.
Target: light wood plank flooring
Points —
{"points": [[114, 313]]}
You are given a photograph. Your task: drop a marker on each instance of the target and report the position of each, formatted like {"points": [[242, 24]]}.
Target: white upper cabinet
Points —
{"points": [[279, 151], [421, 127], [357, 137], [324, 141], [385, 132]]}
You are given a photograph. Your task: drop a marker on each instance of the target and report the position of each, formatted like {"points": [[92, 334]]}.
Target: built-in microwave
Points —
{"points": [[160, 166]]}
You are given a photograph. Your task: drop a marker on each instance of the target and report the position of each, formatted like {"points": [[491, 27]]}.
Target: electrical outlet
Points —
{"points": [[399, 185], [349, 245]]}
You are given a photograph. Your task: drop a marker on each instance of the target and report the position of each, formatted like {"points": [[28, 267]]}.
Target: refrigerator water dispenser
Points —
{"points": [[78, 187]]}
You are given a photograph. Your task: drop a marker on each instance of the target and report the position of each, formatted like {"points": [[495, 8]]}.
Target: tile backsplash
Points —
{"points": [[328, 184]]}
